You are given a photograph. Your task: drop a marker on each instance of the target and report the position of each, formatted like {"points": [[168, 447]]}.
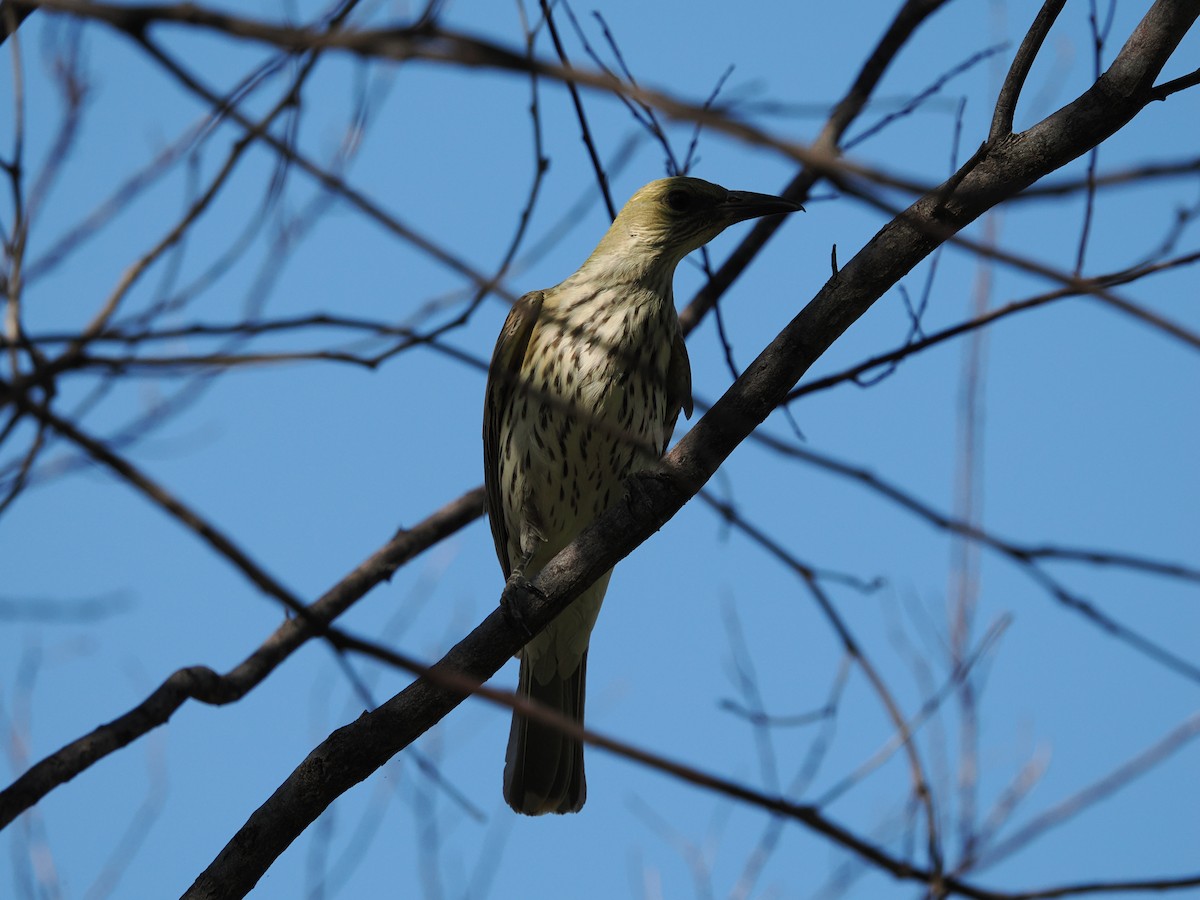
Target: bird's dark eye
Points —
{"points": [[679, 200]]}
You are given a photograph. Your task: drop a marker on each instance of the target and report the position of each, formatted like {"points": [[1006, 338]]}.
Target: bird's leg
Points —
{"points": [[516, 591], [640, 488]]}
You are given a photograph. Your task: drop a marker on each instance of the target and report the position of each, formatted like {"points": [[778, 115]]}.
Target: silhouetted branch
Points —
{"points": [[1006, 104], [854, 373], [202, 684], [580, 115], [996, 173], [1026, 558]]}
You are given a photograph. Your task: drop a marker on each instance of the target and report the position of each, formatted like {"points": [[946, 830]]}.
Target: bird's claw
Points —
{"points": [[638, 489], [517, 587]]}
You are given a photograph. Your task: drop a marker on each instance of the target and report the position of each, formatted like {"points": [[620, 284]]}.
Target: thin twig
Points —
{"points": [[580, 115], [205, 686], [1093, 793], [1031, 44]]}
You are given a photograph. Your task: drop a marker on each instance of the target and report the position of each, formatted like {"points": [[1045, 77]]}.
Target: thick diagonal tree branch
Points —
{"points": [[206, 686], [999, 171]]}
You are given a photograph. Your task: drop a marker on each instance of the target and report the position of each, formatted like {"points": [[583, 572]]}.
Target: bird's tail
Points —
{"points": [[543, 769]]}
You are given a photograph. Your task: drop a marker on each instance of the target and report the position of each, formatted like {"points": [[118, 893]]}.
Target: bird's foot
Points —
{"points": [[514, 599], [641, 487]]}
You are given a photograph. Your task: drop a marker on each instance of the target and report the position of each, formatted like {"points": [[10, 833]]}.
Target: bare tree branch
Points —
{"points": [[998, 172], [1092, 794], [1006, 105], [204, 685]]}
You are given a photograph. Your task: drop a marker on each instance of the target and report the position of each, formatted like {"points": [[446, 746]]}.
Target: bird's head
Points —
{"points": [[669, 218]]}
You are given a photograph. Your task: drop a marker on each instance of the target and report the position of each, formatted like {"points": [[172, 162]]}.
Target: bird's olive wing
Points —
{"points": [[679, 382], [503, 380]]}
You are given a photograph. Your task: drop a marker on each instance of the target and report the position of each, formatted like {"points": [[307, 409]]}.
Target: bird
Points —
{"points": [[584, 388]]}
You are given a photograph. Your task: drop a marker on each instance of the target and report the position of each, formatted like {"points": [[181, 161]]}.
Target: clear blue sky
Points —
{"points": [[1091, 437]]}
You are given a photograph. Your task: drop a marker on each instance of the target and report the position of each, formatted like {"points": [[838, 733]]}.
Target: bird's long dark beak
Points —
{"points": [[742, 205]]}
